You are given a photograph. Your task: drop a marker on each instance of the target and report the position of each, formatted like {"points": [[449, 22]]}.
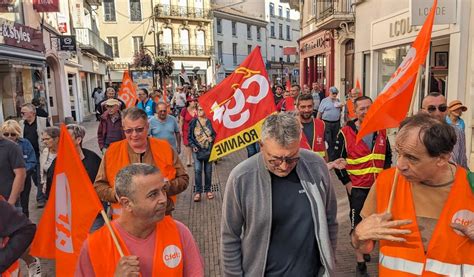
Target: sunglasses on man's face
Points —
{"points": [[442, 108], [277, 161], [10, 135], [130, 131]]}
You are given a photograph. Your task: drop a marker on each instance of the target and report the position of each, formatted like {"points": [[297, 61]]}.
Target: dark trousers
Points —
{"points": [[25, 194], [253, 149], [330, 135], [356, 203], [40, 197], [198, 168]]}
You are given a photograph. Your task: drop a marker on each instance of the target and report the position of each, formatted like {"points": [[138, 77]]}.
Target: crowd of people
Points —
{"points": [[411, 209]]}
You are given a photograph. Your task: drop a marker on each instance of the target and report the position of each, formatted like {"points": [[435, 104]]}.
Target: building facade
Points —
{"points": [[283, 32], [180, 29], [384, 37], [38, 66], [327, 43], [236, 35]]}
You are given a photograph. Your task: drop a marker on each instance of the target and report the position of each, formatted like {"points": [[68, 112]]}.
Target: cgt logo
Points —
{"points": [[172, 256], [463, 217]]}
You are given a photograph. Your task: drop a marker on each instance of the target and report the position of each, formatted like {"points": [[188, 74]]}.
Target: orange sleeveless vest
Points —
{"points": [[116, 158], [350, 109], [363, 164], [319, 146], [168, 257], [449, 252]]}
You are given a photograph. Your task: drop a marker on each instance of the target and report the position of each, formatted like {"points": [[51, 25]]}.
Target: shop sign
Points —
{"points": [[319, 42], [289, 51], [67, 43], [62, 23], [118, 66], [445, 11], [46, 5], [19, 35]]}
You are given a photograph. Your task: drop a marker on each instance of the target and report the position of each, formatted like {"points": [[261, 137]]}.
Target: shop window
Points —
{"points": [[388, 61]]}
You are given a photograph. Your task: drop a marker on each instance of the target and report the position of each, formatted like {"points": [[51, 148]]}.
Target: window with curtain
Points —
{"points": [[200, 42], [109, 10], [137, 43], [184, 41], [113, 41], [135, 10], [167, 41]]}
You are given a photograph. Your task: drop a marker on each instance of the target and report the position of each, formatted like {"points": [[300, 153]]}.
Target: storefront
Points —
{"points": [[317, 59], [22, 68]]}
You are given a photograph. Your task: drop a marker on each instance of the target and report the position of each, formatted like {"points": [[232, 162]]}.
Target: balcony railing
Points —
{"points": [[333, 12], [187, 50], [181, 11], [90, 41]]}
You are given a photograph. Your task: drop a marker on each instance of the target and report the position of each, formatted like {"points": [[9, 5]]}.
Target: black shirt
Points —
{"points": [[277, 98], [308, 130], [293, 249], [41, 112], [11, 158], [30, 132]]}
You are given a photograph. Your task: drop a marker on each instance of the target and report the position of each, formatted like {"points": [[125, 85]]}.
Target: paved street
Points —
{"points": [[203, 218]]}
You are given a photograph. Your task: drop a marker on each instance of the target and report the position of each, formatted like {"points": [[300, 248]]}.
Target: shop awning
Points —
{"points": [[19, 55]]}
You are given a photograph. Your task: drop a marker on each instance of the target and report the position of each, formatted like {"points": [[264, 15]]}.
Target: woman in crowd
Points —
{"points": [[145, 103], [456, 108], [12, 131], [50, 138], [201, 137], [187, 114]]}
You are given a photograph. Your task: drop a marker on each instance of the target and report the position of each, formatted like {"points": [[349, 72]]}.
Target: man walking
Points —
{"points": [[279, 209], [313, 128], [429, 230], [32, 126], [435, 105], [110, 126], [285, 103], [278, 95], [330, 111], [153, 244], [109, 94], [316, 93], [137, 147], [164, 126], [365, 160], [97, 95]]}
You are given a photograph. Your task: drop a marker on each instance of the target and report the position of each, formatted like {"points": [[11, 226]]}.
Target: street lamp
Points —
{"points": [[281, 73]]}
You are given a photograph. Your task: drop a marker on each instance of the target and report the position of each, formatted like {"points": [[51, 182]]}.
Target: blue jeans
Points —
{"points": [[253, 149], [198, 166]]}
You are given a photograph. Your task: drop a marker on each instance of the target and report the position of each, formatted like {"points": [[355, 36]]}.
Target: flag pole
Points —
{"points": [[112, 233], [410, 113]]}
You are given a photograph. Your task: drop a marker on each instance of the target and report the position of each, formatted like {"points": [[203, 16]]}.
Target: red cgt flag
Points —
{"points": [[71, 209], [127, 91], [238, 105], [393, 103]]}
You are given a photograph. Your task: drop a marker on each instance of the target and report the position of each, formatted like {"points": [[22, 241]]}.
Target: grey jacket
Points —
{"points": [[247, 214]]}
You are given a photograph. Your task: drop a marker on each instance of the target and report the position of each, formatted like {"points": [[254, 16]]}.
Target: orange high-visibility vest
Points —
{"points": [[351, 109], [363, 164], [168, 256], [449, 252], [319, 145], [116, 158]]}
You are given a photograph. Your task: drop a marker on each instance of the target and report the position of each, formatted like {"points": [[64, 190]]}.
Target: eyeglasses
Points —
{"points": [[138, 130], [10, 134], [442, 108], [278, 161]]}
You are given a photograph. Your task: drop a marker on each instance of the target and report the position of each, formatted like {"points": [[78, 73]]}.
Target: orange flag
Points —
{"points": [[358, 87], [393, 103], [70, 211], [127, 91]]}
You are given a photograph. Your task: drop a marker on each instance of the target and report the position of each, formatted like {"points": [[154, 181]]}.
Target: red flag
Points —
{"points": [[288, 85], [358, 89], [238, 105], [127, 91], [70, 211], [393, 103]]}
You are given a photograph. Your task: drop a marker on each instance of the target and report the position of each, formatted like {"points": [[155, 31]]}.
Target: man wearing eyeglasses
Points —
{"points": [[435, 104], [137, 147], [279, 209]]}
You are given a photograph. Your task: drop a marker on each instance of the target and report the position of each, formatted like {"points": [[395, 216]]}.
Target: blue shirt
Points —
{"points": [[330, 110], [149, 107], [459, 124], [165, 129]]}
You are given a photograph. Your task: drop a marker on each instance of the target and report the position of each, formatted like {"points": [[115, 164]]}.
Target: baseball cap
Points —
{"points": [[333, 90]]}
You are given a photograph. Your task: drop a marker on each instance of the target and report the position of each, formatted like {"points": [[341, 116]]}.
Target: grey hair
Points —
{"points": [[52, 131], [77, 130], [124, 185], [29, 106], [134, 113], [282, 127]]}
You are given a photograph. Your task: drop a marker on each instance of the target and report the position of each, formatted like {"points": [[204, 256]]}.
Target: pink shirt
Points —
{"points": [[145, 250]]}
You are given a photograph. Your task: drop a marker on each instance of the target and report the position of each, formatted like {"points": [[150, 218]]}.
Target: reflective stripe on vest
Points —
{"points": [[401, 264], [364, 171], [449, 269], [319, 145], [373, 156]]}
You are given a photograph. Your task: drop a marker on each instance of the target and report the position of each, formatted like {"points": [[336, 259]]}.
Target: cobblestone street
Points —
{"points": [[203, 218]]}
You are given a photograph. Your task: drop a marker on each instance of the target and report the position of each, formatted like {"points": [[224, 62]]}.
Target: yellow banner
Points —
{"points": [[236, 142]]}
